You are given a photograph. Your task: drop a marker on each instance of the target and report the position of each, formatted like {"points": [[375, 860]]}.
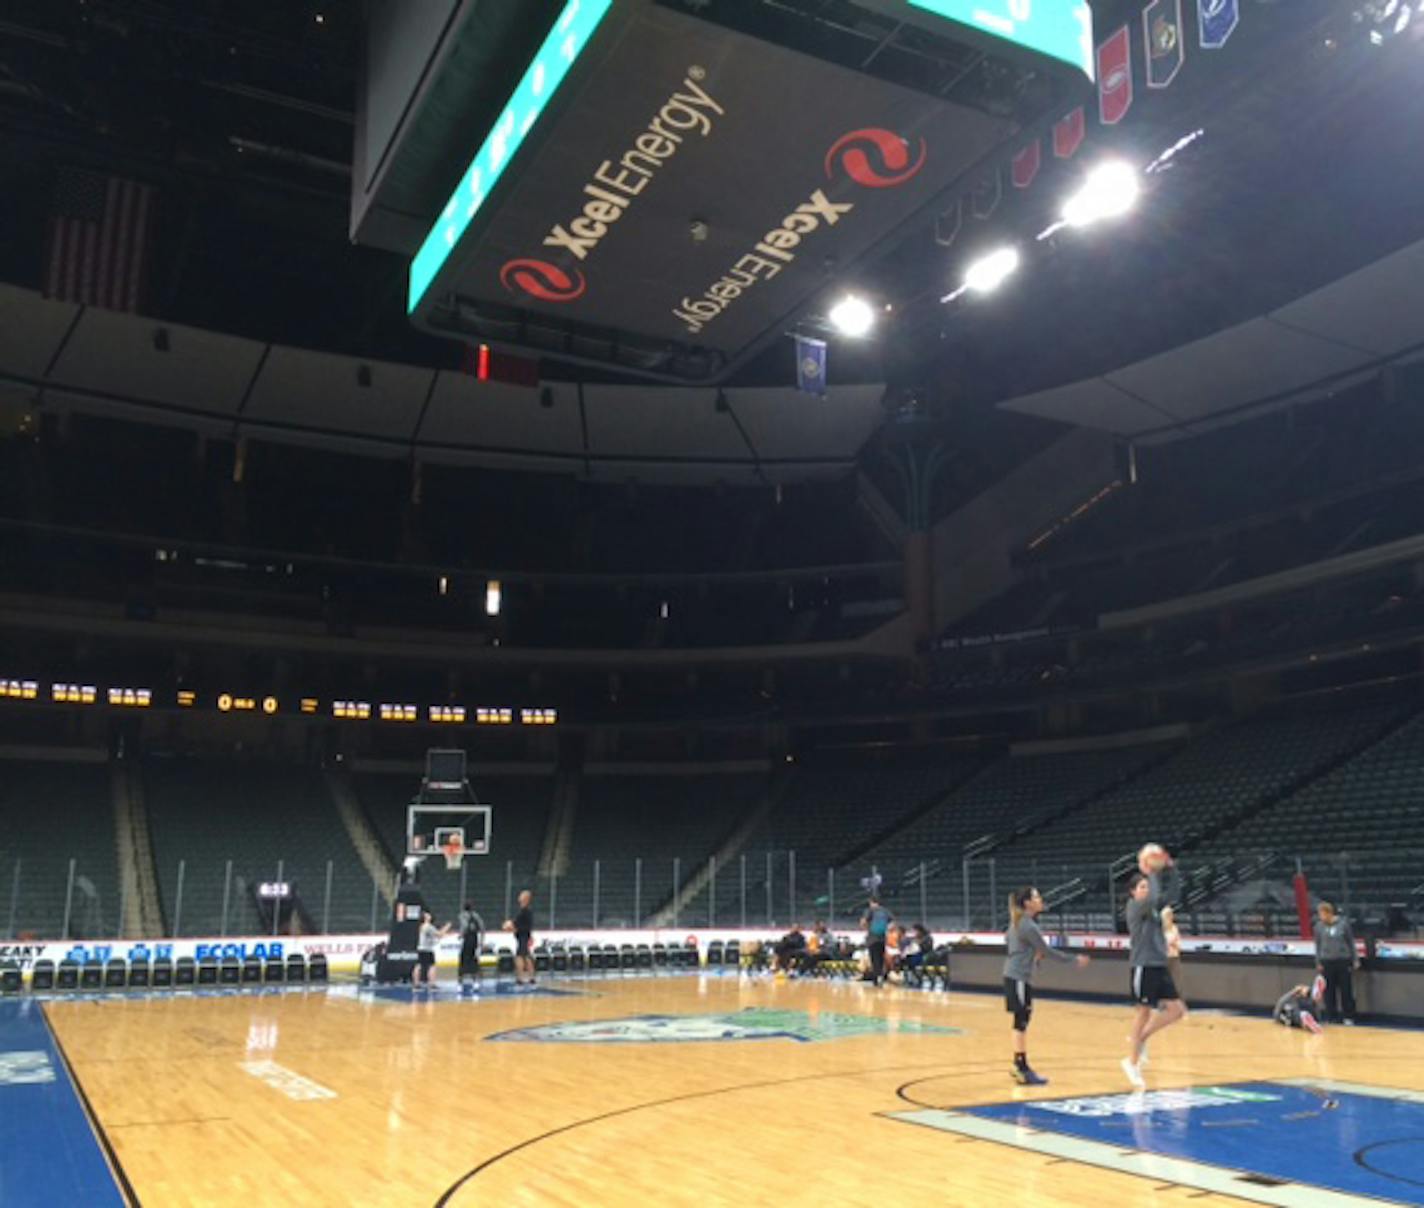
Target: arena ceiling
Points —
{"points": [[242, 115]]}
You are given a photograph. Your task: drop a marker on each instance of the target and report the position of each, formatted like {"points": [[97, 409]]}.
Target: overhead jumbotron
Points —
{"points": [[665, 186]]}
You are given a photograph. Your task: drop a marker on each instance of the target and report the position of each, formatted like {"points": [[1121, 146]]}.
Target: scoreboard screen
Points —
{"points": [[1061, 29]]}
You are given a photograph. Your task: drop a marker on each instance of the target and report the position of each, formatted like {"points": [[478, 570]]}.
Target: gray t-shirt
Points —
{"points": [[1144, 920], [429, 937], [1026, 943], [1334, 941]]}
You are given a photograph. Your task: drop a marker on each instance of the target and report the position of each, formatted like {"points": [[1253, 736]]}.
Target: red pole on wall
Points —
{"points": [[1302, 902]]}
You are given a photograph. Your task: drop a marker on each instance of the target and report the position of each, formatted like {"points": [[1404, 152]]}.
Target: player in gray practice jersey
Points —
{"points": [[1026, 948]]}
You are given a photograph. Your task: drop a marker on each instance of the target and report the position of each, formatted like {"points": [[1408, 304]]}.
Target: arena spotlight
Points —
{"points": [[493, 597], [1110, 191], [852, 316], [989, 272]]}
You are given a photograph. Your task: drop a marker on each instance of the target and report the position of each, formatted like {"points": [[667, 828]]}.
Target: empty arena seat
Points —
{"points": [[91, 976], [578, 959], [185, 971], [504, 965], [317, 968], [208, 971], [274, 969], [140, 971], [251, 969], [541, 959], [230, 971], [162, 971], [297, 968], [595, 957], [645, 956], [67, 975], [559, 960], [714, 953], [42, 978], [11, 979], [115, 974], [660, 955], [610, 958], [732, 954], [627, 957], [689, 954]]}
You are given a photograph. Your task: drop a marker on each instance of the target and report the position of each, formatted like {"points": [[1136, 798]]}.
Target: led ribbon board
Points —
{"points": [[566, 40], [1061, 29]]}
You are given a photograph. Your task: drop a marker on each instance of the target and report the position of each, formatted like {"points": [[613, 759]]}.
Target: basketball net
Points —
{"points": [[454, 853]]}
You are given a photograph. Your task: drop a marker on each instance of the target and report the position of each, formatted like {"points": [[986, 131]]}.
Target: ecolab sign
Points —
{"points": [[612, 189]]}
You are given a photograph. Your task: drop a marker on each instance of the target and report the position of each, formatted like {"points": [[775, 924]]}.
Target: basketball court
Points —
{"points": [[705, 1089]]}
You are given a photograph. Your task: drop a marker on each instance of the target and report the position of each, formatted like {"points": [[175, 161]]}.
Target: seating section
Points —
{"points": [[1220, 773], [1360, 828], [1012, 794], [55, 812], [834, 803], [260, 816], [656, 819], [521, 807]]}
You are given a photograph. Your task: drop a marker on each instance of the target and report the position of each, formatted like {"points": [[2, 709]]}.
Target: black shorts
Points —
{"points": [[426, 959], [1151, 985], [521, 944], [1018, 1001]]}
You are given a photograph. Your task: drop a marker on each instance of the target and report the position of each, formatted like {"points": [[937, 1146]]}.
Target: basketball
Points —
{"points": [[1152, 857]]}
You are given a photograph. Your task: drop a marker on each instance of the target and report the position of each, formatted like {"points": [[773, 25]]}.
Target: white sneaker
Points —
{"points": [[1133, 1072]]}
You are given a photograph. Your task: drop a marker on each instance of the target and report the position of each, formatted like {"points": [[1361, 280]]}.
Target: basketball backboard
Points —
{"points": [[429, 828]]}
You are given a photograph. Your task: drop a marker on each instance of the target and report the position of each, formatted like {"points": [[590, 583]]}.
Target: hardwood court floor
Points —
{"points": [[194, 1095]]}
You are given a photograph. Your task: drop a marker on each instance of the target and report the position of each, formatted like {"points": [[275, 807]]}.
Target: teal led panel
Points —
{"points": [[1061, 29], [566, 41]]}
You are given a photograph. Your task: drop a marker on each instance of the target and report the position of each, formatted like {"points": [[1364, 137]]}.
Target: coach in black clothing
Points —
{"points": [[522, 924]]}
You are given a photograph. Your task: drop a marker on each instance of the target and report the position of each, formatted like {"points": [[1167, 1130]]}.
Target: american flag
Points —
{"points": [[99, 235]]}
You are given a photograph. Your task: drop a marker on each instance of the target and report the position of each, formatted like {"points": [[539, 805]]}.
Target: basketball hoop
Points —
{"points": [[454, 851]]}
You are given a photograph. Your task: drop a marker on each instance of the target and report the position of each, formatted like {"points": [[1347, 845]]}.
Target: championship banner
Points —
{"points": [[1115, 78], [948, 222], [1216, 22], [811, 366], [1069, 133], [1026, 164], [1166, 48], [987, 195]]}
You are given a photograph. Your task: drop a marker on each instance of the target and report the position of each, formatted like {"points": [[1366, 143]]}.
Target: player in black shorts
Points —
{"points": [[522, 924], [1153, 886]]}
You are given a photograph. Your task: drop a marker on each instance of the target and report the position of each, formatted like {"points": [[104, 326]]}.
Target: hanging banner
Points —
{"points": [[987, 195], [1165, 46], [811, 365], [1026, 165], [1216, 22], [1069, 133], [1115, 78]]}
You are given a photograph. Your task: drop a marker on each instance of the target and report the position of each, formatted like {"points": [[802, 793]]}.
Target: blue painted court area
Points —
{"points": [[1363, 1141], [49, 1153]]}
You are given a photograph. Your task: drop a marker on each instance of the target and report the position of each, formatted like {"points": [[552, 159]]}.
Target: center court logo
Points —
{"points": [[755, 1023]]}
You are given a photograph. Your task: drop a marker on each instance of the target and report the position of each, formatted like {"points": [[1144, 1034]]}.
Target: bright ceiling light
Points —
{"points": [[1110, 191], [989, 272], [852, 316]]}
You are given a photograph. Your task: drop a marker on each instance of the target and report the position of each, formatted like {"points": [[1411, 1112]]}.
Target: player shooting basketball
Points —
{"points": [[1152, 886]]}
